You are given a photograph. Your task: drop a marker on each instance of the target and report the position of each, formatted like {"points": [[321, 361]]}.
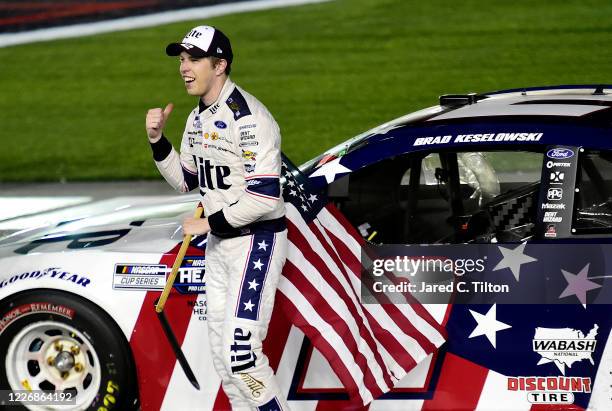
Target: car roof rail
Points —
{"points": [[460, 99], [599, 91]]}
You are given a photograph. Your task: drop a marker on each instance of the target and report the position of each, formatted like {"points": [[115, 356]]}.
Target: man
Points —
{"points": [[231, 151]]}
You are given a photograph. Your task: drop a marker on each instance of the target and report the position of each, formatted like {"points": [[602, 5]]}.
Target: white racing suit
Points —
{"points": [[231, 150]]}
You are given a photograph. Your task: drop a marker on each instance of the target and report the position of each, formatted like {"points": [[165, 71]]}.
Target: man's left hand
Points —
{"points": [[195, 226]]}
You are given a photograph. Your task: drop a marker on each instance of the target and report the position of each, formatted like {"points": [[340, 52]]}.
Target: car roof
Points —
{"points": [[561, 101], [569, 114]]}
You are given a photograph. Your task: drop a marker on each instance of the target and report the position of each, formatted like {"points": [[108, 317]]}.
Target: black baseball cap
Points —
{"points": [[203, 41]]}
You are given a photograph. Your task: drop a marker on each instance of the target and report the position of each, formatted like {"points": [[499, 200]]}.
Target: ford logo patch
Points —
{"points": [[220, 124], [559, 153]]}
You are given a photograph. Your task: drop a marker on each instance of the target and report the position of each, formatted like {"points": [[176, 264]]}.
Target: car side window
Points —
{"points": [[441, 197], [593, 199], [497, 192]]}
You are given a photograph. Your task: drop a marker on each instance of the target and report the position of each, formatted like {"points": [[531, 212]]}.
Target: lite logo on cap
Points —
{"points": [[203, 41], [193, 33]]}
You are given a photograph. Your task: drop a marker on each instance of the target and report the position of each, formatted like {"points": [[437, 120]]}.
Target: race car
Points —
{"points": [[525, 173]]}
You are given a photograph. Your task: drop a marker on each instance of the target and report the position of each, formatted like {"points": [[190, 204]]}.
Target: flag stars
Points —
{"points": [[290, 183], [304, 207], [248, 306], [257, 264], [292, 192], [263, 245], [253, 285], [312, 198]]}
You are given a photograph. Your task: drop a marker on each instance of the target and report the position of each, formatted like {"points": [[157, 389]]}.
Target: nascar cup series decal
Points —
{"points": [[190, 278], [140, 276]]}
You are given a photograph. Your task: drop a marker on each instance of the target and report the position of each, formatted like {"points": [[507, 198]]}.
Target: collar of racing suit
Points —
{"points": [[206, 112]]}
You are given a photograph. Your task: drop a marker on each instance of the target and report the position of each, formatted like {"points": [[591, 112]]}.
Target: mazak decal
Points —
{"points": [[550, 390], [139, 276], [564, 346], [477, 138], [553, 206], [51, 272], [559, 153]]}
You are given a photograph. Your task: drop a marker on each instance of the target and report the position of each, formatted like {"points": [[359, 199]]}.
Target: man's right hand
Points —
{"points": [[156, 121]]}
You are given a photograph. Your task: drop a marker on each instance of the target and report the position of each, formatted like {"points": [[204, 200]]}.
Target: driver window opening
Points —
{"points": [[443, 197], [593, 200]]}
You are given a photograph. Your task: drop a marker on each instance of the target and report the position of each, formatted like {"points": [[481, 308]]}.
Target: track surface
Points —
{"points": [[17, 16]]}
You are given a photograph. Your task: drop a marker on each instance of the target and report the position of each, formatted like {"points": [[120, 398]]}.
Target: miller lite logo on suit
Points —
{"points": [[242, 357], [212, 176]]}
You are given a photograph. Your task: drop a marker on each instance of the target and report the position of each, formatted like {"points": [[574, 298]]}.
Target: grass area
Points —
{"points": [[74, 109]]}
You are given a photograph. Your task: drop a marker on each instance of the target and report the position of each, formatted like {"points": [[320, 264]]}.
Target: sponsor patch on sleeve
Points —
{"points": [[238, 105], [264, 186]]}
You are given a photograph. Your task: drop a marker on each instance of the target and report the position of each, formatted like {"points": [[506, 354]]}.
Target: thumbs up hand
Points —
{"points": [[156, 121]]}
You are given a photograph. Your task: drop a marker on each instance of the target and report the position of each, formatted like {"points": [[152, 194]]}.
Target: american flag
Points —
{"points": [[370, 347]]}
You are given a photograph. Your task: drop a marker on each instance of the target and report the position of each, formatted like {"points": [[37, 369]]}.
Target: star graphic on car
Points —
{"points": [[513, 259], [578, 284], [330, 170], [488, 325]]}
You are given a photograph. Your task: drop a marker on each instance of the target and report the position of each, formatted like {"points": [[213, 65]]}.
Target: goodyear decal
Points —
{"points": [[50, 272]]}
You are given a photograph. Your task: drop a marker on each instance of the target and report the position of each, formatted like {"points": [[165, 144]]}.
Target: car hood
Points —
{"points": [[119, 224]]}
